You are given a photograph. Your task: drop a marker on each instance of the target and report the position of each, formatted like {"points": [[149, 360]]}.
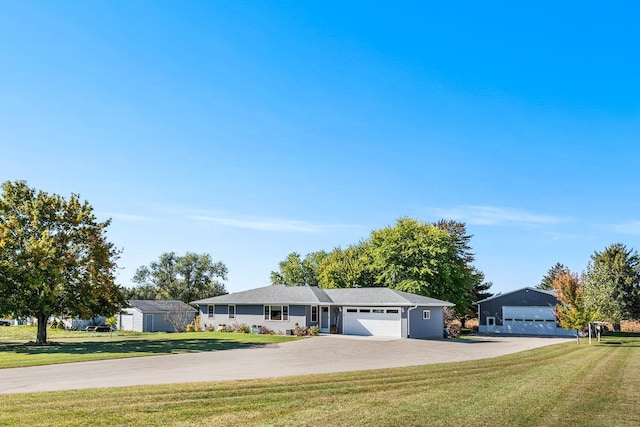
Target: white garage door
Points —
{"points": [[372, 321], [533, 320]]}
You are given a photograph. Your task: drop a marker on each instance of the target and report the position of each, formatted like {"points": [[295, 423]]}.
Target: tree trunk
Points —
{"points": [[578, 336], [41, 338]]}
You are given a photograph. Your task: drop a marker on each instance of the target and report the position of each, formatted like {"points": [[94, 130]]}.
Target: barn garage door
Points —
{"points": [[533, 320], [372, 321]]}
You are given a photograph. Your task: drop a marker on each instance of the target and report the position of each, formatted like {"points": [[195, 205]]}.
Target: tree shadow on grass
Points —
{"points": [[127, 347]]}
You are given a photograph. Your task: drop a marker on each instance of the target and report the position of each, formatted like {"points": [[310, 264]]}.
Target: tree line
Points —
{"points": [[608, 290], [430, 259]]}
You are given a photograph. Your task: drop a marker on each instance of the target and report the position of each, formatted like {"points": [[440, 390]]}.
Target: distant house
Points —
{"points": [[155, 316], [527, 311], [355, 311]]}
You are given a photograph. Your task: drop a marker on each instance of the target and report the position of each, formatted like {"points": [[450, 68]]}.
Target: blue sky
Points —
{"points": [[249, 130]]}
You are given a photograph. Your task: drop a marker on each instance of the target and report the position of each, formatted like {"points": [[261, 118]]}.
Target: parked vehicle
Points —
{"points": [[5, 323]]}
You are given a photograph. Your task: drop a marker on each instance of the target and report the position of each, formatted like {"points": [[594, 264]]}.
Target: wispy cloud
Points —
{"points": [[632, 227], [492, 215], [125, 217], [270, 224]]}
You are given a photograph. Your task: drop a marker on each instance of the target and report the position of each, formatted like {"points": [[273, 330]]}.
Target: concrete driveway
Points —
{"points": [[323, 354]]}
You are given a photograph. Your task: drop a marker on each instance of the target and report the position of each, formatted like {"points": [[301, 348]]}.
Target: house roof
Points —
{"points": [[275, 294], [281, 294], [513, 292], [380, 296], [159, 306]]}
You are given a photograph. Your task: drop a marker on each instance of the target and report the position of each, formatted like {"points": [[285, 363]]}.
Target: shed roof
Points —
{"points": [[513, 292], [159, 306]]}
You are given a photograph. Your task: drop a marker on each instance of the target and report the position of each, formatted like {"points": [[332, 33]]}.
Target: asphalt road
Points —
{"points": [[316, 355]]}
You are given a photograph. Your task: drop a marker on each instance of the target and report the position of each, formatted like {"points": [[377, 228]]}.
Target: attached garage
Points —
{"points": [[372, 321]]}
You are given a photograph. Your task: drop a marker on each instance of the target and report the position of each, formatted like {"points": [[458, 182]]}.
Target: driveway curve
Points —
{"points": [[317, 355]]}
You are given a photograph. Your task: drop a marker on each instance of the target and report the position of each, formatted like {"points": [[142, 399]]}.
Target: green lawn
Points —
{"points": [[559, 385], [78, 346]]}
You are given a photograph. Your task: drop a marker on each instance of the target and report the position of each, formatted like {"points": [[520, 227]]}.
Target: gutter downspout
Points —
{"points": [[409, 320]]}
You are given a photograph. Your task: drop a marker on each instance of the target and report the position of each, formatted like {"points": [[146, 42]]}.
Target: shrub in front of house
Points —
{"points": [[239, 328], [265, 331], [61, 325], [303, 331], [54, 324], [190, 328]]}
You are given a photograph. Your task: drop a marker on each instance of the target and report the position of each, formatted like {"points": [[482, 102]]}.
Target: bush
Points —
{"points": [[630, 326], [303, 331], [239, 328], [54, 324], [61, 325], [190, 328], [454, 328], [266, 331], [471, 324], [210, 328]]}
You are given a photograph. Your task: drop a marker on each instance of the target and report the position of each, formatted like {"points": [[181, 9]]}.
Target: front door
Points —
{"points": [[149, 322], [324, 319]]}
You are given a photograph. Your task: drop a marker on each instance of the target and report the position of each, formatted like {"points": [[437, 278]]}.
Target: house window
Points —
{"points": [[276, 312], [314, 313], [426, 314], [394, 311], [232, 312], [211, 311]]}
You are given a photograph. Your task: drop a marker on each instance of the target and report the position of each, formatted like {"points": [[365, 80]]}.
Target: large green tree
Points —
{"points": [[424, 259], [55, 259], [186, 278], [347, 268], [298, 271], [458, 231], [600, 294], [623, 266], [547, 280]]}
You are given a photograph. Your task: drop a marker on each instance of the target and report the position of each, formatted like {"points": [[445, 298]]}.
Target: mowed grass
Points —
{"points": [[80, 346], [559, 385]]}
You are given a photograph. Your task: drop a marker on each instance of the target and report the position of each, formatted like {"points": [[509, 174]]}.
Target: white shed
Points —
{"points": [[155, 316]]}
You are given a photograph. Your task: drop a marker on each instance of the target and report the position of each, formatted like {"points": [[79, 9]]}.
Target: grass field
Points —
{"points": [[79, 346], [559, 385]]}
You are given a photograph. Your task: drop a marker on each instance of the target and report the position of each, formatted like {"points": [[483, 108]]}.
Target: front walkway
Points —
{"points": [[316, 355]]}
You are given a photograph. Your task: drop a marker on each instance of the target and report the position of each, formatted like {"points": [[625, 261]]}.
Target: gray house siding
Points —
{"points": [[524, 297], [254, 315], [432, 328]]}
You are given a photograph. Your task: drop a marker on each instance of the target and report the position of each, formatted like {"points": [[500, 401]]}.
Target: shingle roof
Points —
{"points": [[281, 294], [159, 306], [381, 296], [272, 295]]}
